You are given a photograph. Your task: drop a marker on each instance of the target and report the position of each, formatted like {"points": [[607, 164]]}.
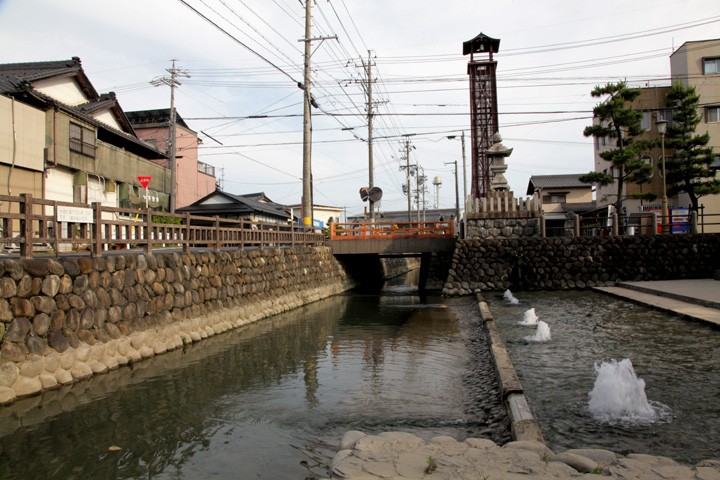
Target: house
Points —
{"points": [[61, 140], [194, 179], [322, 214], [563, 196], [228, 205]]}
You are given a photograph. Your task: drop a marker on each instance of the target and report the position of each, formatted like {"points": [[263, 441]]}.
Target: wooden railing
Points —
{"points": [[29, 224], [388, 231]]}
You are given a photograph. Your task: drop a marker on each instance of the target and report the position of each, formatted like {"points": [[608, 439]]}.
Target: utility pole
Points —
{"points": [[308, 100], [371, 175], [417, 190], [457, 194], [307, 203], [465, 199], [407, 167], [172, 81]]}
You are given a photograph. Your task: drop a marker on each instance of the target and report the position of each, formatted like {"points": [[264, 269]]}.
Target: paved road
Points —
{"points": [[693, 299]]}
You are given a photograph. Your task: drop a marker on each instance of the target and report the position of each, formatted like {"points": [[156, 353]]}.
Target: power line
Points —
{"points": [[238, 41]]}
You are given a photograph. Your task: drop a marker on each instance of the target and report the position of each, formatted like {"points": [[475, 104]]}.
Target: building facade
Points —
{"points": [[194, 179], [695, 64], [61, 140]]}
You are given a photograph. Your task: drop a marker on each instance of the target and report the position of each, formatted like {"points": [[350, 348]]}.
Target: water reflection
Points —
{"points": [[269, 400]]}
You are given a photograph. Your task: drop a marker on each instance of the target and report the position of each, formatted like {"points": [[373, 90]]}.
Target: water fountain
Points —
{"points": [[530, 319], [619, 395], [542, 334], [509, 297]]}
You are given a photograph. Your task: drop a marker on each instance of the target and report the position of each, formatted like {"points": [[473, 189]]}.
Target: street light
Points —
{"points": [[465, 198], [662, 128]]}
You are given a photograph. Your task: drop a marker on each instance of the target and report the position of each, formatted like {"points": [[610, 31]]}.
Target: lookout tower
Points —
{"points": [[483, 109]]}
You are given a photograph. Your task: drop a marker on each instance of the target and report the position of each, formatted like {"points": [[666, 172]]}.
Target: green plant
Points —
{"points": [[164, 219], [432, 465]]}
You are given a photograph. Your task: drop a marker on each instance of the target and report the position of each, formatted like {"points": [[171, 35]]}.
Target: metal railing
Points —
{"points": [[49, 225], [391, 230], [648, 224]]}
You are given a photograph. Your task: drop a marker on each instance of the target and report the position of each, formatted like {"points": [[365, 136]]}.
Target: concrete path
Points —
{"points": [[693, 299]]}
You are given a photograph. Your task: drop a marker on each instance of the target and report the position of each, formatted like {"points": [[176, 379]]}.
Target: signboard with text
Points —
{"points": [[75, 214], [144, 181]]}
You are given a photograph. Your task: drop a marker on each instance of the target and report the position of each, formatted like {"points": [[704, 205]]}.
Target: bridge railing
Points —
{"points": [[391, 230], [29, 225]]}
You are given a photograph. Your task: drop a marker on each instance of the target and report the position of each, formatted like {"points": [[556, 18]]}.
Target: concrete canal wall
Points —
{"points": [[64, 321], [561, 263]]}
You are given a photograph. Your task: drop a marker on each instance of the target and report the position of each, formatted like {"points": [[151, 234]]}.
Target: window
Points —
{"points": [[82, 140], [712, 114], [711, 65], [665, 115], [554, 198], [646, 122]]}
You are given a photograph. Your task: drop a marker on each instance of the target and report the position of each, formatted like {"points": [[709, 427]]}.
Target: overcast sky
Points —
{"points": [[552, 53]]}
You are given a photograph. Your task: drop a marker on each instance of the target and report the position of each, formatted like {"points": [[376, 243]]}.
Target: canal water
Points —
{"points": [[677, 360], [269, 400]]}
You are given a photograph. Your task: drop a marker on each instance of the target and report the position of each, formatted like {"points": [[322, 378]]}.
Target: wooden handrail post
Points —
{"points": [[653, 223], [217, 234], [186, 244], [576, 225], [56, 231], [242, 235], [148, 231], [26, 208], [96, 248], [615, 226], [292, 233]]}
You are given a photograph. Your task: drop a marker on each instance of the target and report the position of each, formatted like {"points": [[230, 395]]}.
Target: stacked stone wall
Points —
{"points": [[562, 263], [63, 321], [392, 267], [486, 228]]}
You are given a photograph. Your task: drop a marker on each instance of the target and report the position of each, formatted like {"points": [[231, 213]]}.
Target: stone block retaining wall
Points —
{"points": [[561, 263], [63, 321], [483, 228]]}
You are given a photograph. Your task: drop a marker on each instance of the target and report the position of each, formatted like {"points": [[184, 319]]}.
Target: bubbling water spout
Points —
{"points": [[510, 298], [530, 318], [542, 334], [619, 395]]}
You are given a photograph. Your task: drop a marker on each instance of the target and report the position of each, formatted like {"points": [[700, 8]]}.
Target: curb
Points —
{"points": [[674, 296], [523, 426]]}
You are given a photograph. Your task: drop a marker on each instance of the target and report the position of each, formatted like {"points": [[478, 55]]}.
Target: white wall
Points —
{"points": [[64, 89]]}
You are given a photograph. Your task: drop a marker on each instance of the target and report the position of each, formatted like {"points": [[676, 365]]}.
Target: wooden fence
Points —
{"points": [[30, 224], [388, 231]]}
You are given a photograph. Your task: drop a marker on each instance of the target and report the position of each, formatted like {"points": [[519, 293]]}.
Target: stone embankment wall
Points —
{"points": [[392, 267], [484, 228], [561, 263], [63, 321]]}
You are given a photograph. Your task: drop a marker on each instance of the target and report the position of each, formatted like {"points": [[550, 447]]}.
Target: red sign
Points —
{"points": [[144, 181]]}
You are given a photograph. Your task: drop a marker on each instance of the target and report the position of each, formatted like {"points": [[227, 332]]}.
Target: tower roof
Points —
{"points": [[481, 44]]}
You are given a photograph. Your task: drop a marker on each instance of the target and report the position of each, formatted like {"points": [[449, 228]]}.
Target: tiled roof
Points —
{"points": [[579, 207], [556, 181], [33, 71], [239, 204], [138, 118]]}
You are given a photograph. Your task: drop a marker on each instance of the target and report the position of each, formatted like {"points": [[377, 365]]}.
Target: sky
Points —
{"points": [[241, 95]]}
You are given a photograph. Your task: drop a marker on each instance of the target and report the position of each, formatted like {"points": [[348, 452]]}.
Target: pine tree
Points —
{"points": [[618, 121], [688, 170]]}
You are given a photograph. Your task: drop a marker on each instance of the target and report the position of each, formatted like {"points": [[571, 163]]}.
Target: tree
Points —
{"points": [[618, 121], [688, 170]]}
